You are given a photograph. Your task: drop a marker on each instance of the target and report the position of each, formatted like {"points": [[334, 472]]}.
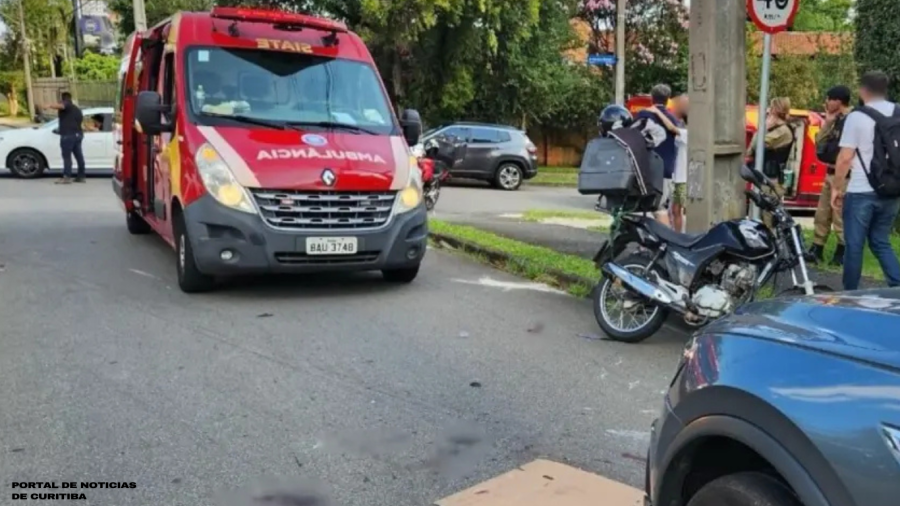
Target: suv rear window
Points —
{"points": [[488, 135]]}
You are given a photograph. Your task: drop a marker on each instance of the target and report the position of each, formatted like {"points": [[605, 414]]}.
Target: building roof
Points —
{"points": [[783, 43], [806, 43]]}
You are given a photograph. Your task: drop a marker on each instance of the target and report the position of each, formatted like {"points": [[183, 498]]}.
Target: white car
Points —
{"points": [[29, 152]]}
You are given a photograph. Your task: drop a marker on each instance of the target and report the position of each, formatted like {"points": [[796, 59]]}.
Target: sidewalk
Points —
{"points": [[585, 244]]}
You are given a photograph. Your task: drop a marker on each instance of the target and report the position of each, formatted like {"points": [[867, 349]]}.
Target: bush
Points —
{"points": [[877, 33], [12, 86]]}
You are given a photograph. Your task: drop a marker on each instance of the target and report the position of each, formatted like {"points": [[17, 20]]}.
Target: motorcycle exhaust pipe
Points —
{"points": [[639, 284]]}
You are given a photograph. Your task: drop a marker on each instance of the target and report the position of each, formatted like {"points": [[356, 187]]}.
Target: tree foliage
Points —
{"points": [[156, 10], [877, 32], [823, 16], [803, 78], [96, 67], [48, 24], [656, 40]]}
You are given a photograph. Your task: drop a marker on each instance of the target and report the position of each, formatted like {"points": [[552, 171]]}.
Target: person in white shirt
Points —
{"points": [[679, 193], [866, 214]]}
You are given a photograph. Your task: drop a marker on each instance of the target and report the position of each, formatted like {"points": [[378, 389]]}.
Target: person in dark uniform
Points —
{"points": [[71, 136]]}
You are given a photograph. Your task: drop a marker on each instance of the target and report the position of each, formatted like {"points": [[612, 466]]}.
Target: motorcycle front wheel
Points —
{"points": [[623, 315], [431, 196]]}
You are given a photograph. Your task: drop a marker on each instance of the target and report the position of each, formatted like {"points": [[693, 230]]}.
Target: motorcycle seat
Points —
{"points": [[669, 234]]}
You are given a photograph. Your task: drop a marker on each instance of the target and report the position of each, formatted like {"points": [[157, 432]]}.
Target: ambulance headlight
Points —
{"points": [[220, 182], [410, 196]]}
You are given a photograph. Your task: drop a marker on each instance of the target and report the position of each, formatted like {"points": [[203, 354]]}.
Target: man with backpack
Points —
{"points": [[837, 107], [870, 155]]}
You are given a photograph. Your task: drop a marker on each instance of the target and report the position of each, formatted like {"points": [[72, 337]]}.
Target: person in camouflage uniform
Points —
{"points": [[837, 107], [778, 144]]}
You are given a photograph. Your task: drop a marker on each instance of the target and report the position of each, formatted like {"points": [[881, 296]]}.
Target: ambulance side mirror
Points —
{"points": [[149, 113], [411, 123]]}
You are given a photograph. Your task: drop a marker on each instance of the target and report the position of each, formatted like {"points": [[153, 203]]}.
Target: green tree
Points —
{"points": [[96, 67], [48, 26], [12, 85], [157, 10], [656, 42], [823, 16], [877, 30]]}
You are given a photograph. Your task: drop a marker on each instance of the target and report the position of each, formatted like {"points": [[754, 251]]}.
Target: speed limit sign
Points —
{"points": [[772, 16]]}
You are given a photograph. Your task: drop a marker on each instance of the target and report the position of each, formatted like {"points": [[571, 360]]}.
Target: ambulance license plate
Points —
{"points": [[331, 245]]}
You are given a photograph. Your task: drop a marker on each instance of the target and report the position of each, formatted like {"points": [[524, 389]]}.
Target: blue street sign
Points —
{"points": [[602, 59]]}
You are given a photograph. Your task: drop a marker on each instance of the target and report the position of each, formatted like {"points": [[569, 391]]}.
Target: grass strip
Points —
{"points": [[533, 262], [556, 176], [558, 170], [871, 267], [538, 215]]}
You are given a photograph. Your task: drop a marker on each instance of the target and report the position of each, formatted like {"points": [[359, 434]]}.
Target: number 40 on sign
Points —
{"points": [[772, 16]]}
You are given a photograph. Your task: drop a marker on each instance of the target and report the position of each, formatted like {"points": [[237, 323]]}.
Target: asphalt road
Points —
{"points": [[366, 393]]}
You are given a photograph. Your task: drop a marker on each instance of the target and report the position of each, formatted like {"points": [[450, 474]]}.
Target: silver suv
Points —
{"points": [[501, 155]]}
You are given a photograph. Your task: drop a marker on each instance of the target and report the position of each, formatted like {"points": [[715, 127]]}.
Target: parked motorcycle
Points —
{"points": [[702, 277], [439, 155]]}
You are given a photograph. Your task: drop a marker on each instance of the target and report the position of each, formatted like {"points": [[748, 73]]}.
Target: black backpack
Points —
{"points": [[884, 171], [827, 149]]}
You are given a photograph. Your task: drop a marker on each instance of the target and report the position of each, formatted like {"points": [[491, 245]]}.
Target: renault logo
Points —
{"points": [[328, 177]]}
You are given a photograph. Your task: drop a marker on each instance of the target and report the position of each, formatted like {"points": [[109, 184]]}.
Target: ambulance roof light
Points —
{"points": [[276, 17]]}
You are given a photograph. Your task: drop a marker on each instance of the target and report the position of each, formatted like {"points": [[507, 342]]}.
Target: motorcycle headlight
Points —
{"points": [[410, 196], [220, 182]]}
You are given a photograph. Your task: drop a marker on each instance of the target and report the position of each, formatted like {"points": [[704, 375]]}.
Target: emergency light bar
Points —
{"points": [[276, 17]]}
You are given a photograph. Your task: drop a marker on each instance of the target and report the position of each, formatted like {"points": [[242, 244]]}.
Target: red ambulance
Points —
{"points": [[258, 141]]}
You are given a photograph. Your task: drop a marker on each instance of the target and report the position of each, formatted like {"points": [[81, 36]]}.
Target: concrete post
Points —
{"points": [[718, 93]]}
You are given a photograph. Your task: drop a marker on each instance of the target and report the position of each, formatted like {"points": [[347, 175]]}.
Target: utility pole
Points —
{"points": [[26, 58], [76, 28], [718, 93], [620, 52], [140, 15]]}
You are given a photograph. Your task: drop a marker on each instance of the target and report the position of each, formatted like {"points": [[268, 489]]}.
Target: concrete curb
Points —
{"points": [[560, 279]]}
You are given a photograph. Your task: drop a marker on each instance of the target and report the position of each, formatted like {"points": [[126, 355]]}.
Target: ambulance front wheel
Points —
{"points": [[190, 279]]}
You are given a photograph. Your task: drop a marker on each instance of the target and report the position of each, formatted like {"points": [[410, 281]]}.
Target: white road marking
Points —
{"points": [[508, 286], [142, 273]]}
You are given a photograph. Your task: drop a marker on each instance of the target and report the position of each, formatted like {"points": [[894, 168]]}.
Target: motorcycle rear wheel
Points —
{"points": [[617, 331]]}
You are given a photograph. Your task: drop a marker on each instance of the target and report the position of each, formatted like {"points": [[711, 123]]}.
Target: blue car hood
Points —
{"points": [[863, 324]]}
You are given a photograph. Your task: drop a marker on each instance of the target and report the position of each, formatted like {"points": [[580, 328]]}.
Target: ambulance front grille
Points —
{"points": [[330, 210]]}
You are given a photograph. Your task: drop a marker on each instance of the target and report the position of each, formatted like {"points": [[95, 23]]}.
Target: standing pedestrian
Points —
{"points": [[869, 213], [666, 150], [779, 142], [679, 177], [71, 136], [837, 107]]}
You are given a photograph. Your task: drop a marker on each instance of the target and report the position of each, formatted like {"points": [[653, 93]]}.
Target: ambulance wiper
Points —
{"points": [[332, 124], [240, 118]]}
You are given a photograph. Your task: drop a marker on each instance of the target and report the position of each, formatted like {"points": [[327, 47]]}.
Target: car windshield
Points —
{"points": [[255, 87], [430, 132], [50, 124]]}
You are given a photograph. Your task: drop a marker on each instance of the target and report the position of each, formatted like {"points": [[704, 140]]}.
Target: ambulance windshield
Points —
{"points": [[285, 88]]}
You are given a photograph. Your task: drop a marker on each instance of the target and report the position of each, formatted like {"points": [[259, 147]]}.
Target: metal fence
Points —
{"points": [[85, 93]]}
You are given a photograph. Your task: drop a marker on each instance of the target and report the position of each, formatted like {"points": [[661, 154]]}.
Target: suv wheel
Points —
{"points": [[744, 489], [508, 177]]}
